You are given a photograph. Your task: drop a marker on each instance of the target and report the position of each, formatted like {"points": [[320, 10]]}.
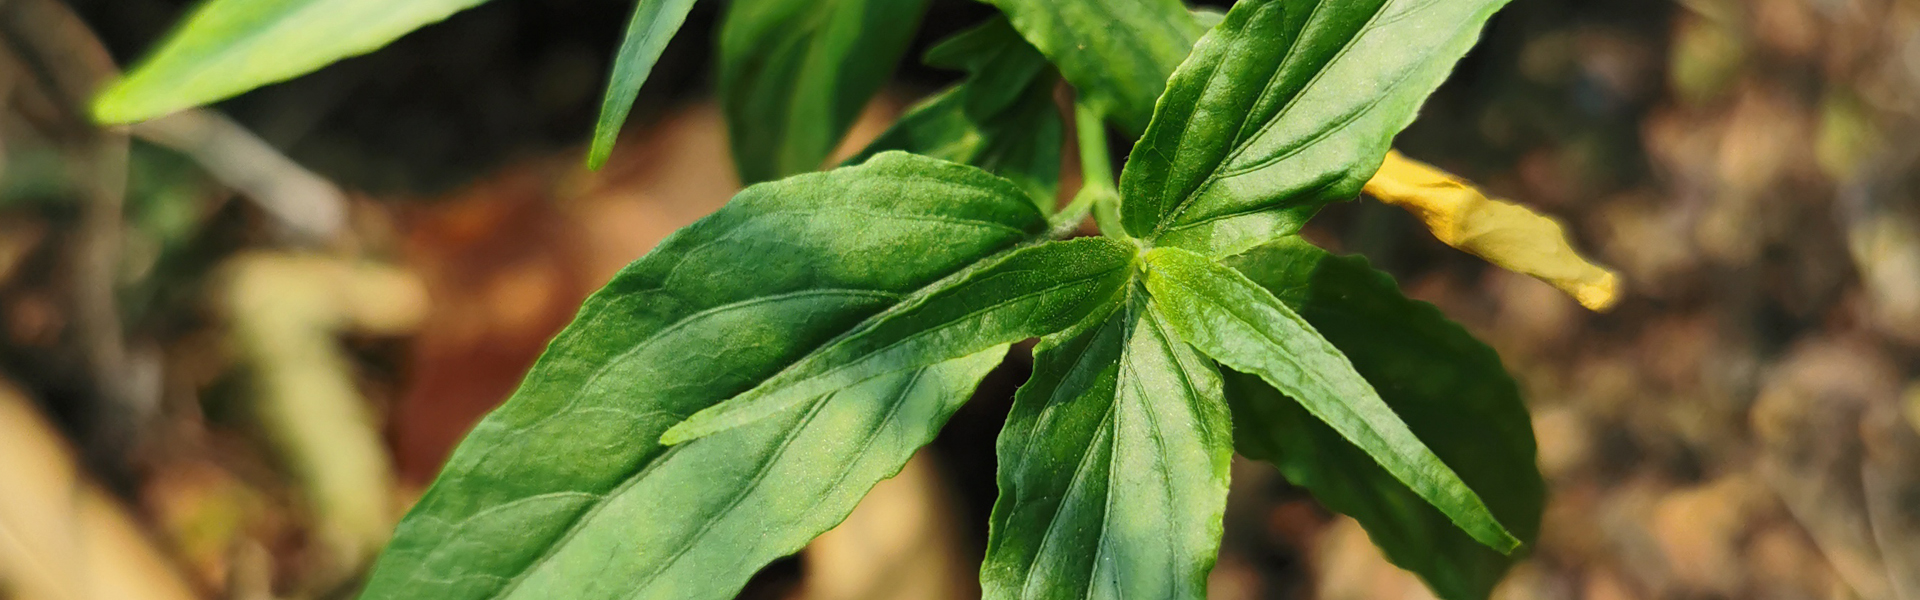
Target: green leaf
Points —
{"points": [[654, 23], [567, 476], [794, 74], [1208, 17], [1116, 53], [1001, 118], [1031, 292], [1240, 324], [230, 46], [1448, 387], [1113, 466], [702, 518], [1285, 107]]}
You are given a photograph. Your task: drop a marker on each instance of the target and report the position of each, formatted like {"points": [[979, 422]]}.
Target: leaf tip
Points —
{"points": [[1505, 543], [712, 420], [597, 158], [1487, 530], [604, 136], [1600, 294], [112, 107], [681, 434]]}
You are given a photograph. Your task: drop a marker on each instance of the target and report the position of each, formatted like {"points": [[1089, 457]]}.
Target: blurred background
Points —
{"points": [[237, 342]]}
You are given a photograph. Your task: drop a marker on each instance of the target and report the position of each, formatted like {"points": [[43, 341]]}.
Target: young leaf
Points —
{"points": [[1113, 467], [1031, 292], [794, 74], [1448, 387], [1116, 53], [550, 484], [1240, 324], [1285, 106], [230, 46], [1001, 118], [654, 23]]}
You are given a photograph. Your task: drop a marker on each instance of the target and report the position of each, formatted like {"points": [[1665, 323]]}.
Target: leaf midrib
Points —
{"points": [[686, 321], [1315, 376], [651, 463], [879, 319], [1153, 425], [1105, 428], [1241, 142]]}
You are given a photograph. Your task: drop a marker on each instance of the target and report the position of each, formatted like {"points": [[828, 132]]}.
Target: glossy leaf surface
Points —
{"points": [[1116, 53], [554, 483], [794, 74], [1113, 467], [653, 24], [1448, 387], [1001, 118], [1243, 326], [1285, 106], [230, 46], [1031, 292]]}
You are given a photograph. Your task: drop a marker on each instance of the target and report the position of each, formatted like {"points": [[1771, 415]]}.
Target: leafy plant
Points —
{"points": [[734, 393]]}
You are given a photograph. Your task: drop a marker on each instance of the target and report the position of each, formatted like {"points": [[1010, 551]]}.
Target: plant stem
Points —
{"points": [[1097, 192]]}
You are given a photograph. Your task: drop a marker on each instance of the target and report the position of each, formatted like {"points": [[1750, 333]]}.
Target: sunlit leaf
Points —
{"points": [[1235, 321], [230, 46], [1449, 388], [563, 492], [1030, 292], [1113, 466], [1282, 108]]}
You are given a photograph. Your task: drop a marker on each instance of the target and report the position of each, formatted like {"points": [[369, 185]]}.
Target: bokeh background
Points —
{"points": [[236, 343]]}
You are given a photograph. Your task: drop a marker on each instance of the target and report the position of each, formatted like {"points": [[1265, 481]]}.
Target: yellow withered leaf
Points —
{"points": [[1505, 234]]}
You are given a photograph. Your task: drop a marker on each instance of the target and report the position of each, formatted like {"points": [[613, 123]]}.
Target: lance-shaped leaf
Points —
{"points": [[230, 46], [794, 74], [1447, 386], [1235, 321], [1001, 118], [653, 24], [1285, 106], [556, 482], [1505, 234], [1116, 53], [702, 518], [1031, 292], [1113, 467]]}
